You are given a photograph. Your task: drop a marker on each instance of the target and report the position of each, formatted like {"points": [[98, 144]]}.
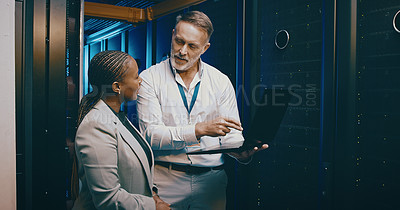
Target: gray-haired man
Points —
{"points": [[186, 104]]}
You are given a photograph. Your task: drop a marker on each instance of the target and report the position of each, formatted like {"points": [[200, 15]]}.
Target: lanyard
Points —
{"points": [[183, 96], [196, 91]]}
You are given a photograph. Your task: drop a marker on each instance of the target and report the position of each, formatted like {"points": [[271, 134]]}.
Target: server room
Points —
{"points": [[309, 90]]}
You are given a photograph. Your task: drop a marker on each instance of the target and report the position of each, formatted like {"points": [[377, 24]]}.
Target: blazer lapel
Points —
{"points": [[130, 140], [147, 143], [137, 149]]}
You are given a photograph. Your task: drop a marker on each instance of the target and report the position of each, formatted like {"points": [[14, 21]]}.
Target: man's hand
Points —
{"points": [[160, 204], [245, 155], [217, 127]]}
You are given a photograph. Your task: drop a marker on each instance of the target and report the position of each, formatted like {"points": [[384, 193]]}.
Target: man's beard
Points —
{"points": [[183, 67]]}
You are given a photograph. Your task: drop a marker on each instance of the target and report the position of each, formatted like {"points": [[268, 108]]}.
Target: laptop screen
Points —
{"points": [[270, 110]]}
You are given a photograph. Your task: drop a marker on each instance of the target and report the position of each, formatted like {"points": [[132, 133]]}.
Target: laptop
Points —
{"points": [[270, 111]]}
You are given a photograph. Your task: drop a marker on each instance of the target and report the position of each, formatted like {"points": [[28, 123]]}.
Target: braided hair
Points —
{"points": [[105, 68]]}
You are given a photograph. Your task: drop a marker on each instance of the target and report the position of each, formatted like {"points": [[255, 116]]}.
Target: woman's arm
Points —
{"points": [[96, 147]]}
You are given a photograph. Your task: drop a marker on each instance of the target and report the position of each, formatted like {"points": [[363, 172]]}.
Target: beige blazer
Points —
{"points": [[112, 166]]}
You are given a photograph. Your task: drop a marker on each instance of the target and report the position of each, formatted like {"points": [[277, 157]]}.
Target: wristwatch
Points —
{"points": [[155, 190]]}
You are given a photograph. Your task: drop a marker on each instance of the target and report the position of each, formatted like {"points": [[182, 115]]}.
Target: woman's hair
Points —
{"points": [[198, 19], [105, 68]]}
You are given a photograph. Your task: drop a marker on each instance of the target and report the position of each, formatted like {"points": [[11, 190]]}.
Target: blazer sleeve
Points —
{"points": [[96, 146]]}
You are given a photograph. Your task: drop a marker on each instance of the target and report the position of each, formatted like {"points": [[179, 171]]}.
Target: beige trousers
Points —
{"points": [[206, 191]]}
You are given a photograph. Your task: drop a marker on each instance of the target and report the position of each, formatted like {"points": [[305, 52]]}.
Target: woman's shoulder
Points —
{"points": [[98, 118], [97, 128]]}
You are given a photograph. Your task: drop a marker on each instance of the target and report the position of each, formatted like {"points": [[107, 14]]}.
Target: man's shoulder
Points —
{"points": [[156, 68], [215, 74], [155, 73]]}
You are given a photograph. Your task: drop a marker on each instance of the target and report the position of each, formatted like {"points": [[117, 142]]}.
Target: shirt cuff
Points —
{"points": [[189, 135]]}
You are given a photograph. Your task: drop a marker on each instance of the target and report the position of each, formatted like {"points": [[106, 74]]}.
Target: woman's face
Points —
{"points": [[130, 84]]}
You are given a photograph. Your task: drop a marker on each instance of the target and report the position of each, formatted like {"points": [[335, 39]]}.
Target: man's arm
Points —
{"points": [[227, 125], [246, 156], [228, 107], [160, 136], [217, 127]]}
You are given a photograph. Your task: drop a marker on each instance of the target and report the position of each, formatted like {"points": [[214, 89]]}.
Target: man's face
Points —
{"points": [[189, 42]]}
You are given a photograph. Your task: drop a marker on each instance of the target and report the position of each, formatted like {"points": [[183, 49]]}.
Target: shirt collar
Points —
{"points": [[201, 67]]}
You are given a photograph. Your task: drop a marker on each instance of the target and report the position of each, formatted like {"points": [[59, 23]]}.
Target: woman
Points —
{"points": [[115, 163]]}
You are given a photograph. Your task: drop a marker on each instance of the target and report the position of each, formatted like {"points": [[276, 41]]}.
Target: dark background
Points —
{"points": [[336, 149]]}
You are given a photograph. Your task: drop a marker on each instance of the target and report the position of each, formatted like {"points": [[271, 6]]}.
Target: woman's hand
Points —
{"points": [[160, 204]]}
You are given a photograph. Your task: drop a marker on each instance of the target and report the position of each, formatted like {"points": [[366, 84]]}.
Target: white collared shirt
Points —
{"points": [[165, 122]]}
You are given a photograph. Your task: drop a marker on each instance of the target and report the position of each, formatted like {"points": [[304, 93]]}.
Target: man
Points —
{"points": [[186, 104]]}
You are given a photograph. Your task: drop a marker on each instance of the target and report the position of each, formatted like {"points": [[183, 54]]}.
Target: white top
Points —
{"points": [[165, 122]]}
